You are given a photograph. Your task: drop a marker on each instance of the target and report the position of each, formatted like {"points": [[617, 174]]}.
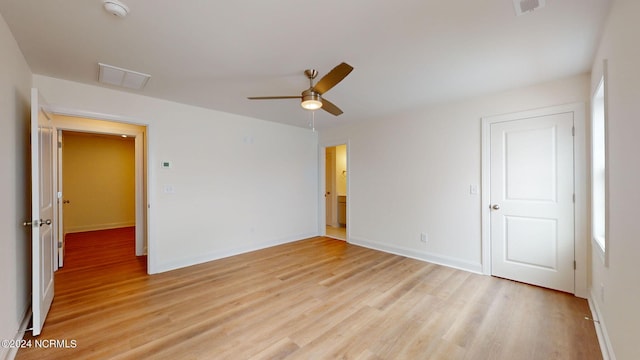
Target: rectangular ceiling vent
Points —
{"points": [[525, 6], [112, 75]]}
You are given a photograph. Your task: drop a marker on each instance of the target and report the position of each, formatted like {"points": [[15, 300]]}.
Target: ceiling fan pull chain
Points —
{"points": [[313, 121]]}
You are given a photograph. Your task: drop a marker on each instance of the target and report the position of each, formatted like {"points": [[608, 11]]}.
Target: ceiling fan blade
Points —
{"points": [[330, 107], [332, 78], [274, 97]]}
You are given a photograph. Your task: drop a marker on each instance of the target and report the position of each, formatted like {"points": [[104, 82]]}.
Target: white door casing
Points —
{"points": [[532, 238], [323, 147], [106, 124], [43, 222]]}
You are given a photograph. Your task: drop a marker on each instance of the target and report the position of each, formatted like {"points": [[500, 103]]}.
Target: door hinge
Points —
{"points": [[574, 198], [60, 245], [59, 144], [574, 265], [573, 131]]}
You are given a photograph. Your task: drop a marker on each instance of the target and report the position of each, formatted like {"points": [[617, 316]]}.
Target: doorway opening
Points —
{"points": [[101, 181], [336, 191], [98, 188]]}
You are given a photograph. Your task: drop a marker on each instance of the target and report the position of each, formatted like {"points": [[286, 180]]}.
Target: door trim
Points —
{"points": [[580, 185], [322, 217], [141, 173]]}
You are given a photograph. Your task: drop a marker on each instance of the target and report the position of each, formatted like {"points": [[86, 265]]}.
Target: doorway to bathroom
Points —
{"points": [[336, 191]]}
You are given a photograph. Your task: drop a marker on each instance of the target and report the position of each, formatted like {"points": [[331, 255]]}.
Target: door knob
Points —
{"points": [[495, 207]]}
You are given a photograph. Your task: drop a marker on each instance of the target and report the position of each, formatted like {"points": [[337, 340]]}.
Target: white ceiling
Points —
{"points": [[406, 53]]}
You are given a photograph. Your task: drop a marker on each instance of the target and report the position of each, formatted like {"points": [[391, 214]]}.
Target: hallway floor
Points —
{"points": [[339, 233]]}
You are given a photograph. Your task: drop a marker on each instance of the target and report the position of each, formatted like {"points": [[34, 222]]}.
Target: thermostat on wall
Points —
{"points": [[166, 164]]}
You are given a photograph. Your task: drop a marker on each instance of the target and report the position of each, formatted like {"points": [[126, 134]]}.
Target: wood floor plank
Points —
{"points": [[317, 298]]}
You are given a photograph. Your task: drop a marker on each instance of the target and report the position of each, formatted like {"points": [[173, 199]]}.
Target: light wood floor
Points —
{"points": [[313, 299], [339, 233]]}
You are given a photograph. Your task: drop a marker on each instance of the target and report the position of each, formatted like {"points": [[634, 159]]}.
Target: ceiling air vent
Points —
{"points": [[116, 76], [525, 6]]}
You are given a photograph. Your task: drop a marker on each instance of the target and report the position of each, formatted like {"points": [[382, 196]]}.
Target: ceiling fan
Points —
{"points": [[312, 97]]}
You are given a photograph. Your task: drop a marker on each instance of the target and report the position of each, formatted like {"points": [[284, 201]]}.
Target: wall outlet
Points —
{"points": [[423, 238]]}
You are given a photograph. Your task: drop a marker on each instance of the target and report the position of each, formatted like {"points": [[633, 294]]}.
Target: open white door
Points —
{"points": [[42, 210], [59, 214]]}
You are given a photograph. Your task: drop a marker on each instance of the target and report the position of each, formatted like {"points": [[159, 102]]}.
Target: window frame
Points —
{"points": [[599, 169]]}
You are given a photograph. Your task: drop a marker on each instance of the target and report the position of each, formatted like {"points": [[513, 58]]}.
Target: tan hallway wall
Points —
{"points": [[98, 181], [341, 170]]}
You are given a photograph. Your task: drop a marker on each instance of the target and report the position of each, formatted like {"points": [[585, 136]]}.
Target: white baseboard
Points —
{"points": [[601, 329], [11, 354], [173, 265], [94, 227], [418, 255]]}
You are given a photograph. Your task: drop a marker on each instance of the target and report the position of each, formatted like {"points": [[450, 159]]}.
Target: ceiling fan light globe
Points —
{"points": [[311, 100], [311, 104]]}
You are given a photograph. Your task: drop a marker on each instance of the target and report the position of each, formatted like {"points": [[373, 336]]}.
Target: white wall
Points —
{"points": [[411, 173], [15, 272], [619, 312], [239, 183]]}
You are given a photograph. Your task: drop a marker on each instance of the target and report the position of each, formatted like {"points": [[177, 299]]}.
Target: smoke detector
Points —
{"points": [[115, 7], [524, 6]]}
